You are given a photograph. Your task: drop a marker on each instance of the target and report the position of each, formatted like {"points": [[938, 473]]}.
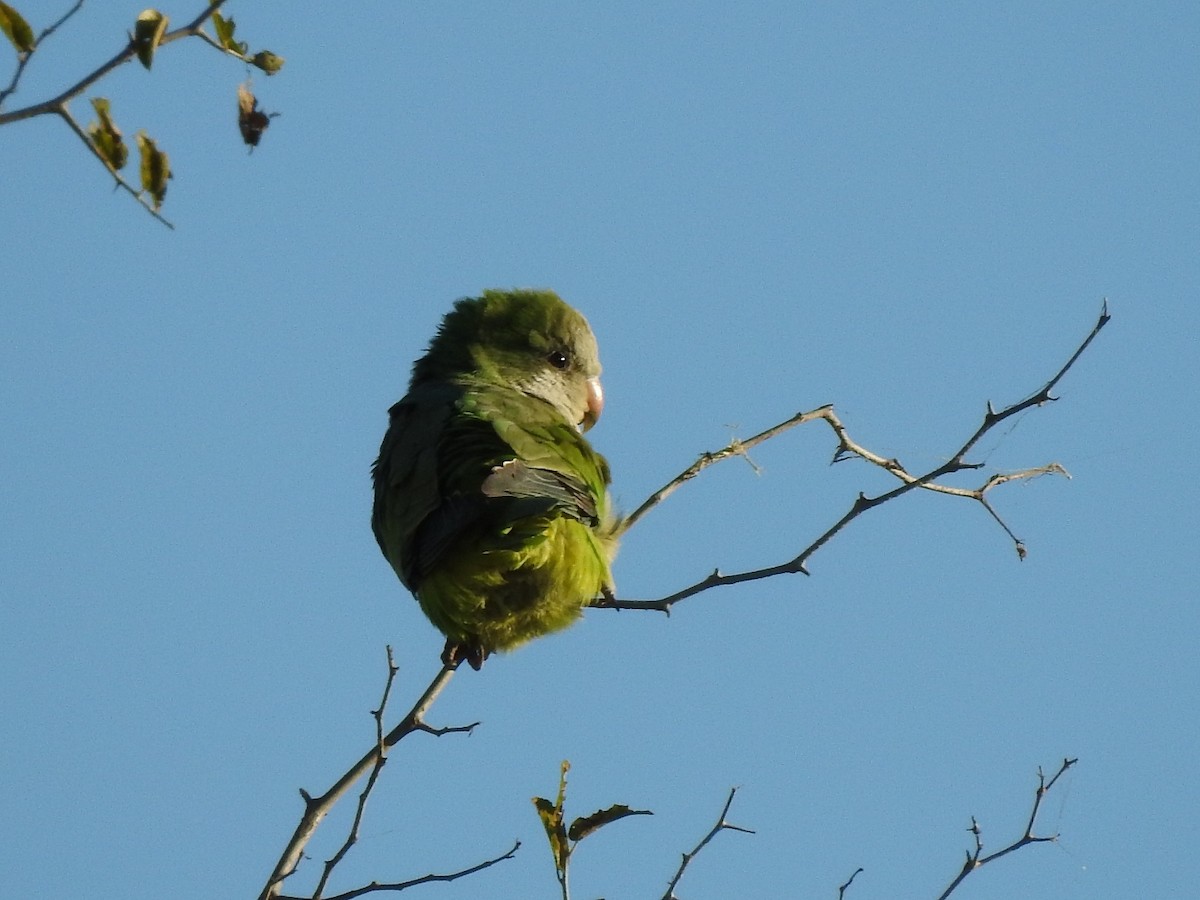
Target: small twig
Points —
{"points": [[122, 56], [735, 448], [564, 880], [380, 759], [316, 808], [23, 58], [60, 104], [138, 195], [848, 447], [849, 881], [424, 879], [976, 859], [722, 825]]}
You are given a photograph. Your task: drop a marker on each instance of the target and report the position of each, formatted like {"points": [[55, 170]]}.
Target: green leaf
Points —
{"points": [[267, 61], [151, 25], [585, 825], [16, 29], [551, 815], [552, 821], [225, 28], [156, 169], [106, 136]]}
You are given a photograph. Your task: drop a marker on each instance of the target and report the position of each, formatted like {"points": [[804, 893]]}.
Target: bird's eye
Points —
{"points": [[558, 359]]}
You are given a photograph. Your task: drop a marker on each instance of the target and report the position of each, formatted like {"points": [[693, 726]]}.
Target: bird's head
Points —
{"points": [[529, 340]]}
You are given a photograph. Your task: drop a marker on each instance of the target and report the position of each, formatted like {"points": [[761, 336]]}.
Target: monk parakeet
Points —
{"points": [[489, 503]]}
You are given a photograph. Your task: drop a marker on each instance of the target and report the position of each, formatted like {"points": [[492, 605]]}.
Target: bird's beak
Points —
{"points": [[595, 404]]}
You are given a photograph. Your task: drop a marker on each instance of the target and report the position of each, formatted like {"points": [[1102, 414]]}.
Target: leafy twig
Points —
{"points": [[848, 447], [124, 55], [23, 58], [59, 105], [563, 840], [140, 196]]}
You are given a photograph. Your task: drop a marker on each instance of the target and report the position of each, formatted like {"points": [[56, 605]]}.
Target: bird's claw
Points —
{"points": [[457, 652]]}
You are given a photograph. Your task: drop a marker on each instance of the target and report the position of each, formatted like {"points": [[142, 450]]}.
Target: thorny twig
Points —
{"points": [[976, 859], [380, 759], [424, 879], [847, 447], [316, 808], [722, 825]]}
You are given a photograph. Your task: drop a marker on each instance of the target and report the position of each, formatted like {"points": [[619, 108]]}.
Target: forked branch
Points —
{"points": [[976, 859], [847, 447], [376, 768], [59, 105], [316, 808], [723, 824]]}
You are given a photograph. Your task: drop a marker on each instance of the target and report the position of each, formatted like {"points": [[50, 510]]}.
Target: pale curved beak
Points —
{"points": [[595, 404]]}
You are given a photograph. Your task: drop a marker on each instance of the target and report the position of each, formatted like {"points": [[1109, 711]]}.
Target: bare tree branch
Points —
{"points": [[848, 447], [316, 808], [735, 448], [842, 888], [976, 859], [722, 825], [381, 758], [424, 879]]}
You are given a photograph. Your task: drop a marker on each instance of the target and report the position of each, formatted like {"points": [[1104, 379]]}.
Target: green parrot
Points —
{"points": [[490, 505]]}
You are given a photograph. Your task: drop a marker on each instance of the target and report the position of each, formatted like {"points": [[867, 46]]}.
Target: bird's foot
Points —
{"points": [[457, 652]]}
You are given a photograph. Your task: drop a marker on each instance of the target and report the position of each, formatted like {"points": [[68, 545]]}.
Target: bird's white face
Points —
{"points": [[568, 375]]}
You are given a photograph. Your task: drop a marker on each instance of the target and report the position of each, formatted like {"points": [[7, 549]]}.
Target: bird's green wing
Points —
{"points": [[485, 462], [405, 475], [545, 463]]}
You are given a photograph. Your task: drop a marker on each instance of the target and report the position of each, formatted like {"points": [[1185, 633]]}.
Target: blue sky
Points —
{"points": [[905, 211]]}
